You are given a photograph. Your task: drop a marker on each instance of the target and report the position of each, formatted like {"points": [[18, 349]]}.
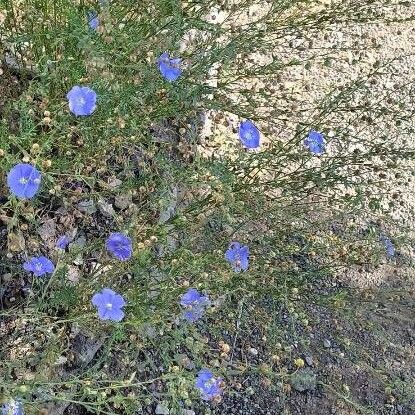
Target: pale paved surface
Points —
{"points": [[353, 51]]}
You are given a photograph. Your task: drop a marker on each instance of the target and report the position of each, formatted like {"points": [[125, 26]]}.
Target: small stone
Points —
{"points": [[78, 260], [73, 274], [78, 243], [327, 343], [184, 361], [148, 331], [309, 360], [47, 231], [61, 360], [250, 390], [114, 182], [7, 277], [253, 351], [124, 200], [87, 206], [162, 410], [188, 412], [106, 208]]}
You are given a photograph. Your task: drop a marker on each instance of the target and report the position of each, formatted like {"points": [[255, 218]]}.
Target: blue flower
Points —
{"points": [[40, 266], [109, 305], [120, 246], [238, 256], [249, 134], [169, 67], [93, 21], [194, 302], [208, 385], [24, 180], [315, 142], [82, 100], [13, 407], [63, 242], [390, 248]]}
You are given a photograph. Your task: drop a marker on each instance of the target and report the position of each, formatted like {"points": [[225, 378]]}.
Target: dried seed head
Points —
{"points": [[35, 147], [46, 163]]}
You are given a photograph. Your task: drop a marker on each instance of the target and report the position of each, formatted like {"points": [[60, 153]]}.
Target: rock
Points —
{"points": [[87, 206], [7, 277], [148, 331], [78, 243], [114, 182], [106, 208], [73, 274], [61, 360], [304, 380], [161, 410], [170, 209], [253, 351], [78, 260], [188, 412], [184, 361], [327, 343], [47, 232], [123, 200], [309, 360]]}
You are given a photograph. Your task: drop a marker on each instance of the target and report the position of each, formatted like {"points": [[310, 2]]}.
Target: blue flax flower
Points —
{"points": [[208, 385], [315, 143], [238, 256], [169, 67], [120, 246], [93, 21], [194, 302], [63, 242], [39, 265], [24, 180], [82, 100], [109, 305], [12, 407], [249, 134], [390, 248]]}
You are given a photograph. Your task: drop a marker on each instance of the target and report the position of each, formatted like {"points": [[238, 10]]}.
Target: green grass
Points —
{"points": [[301, 219]]}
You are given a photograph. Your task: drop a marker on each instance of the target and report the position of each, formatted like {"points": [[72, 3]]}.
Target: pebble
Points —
{"points": [[162, 410], [309, 360], [327, 343], [78, 243], [106, 208], [87, 206], [124, 200], [253, 351], [114, 182]]}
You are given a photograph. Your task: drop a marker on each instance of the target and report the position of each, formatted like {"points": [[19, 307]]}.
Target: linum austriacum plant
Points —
{"points": [[24, 182]]}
